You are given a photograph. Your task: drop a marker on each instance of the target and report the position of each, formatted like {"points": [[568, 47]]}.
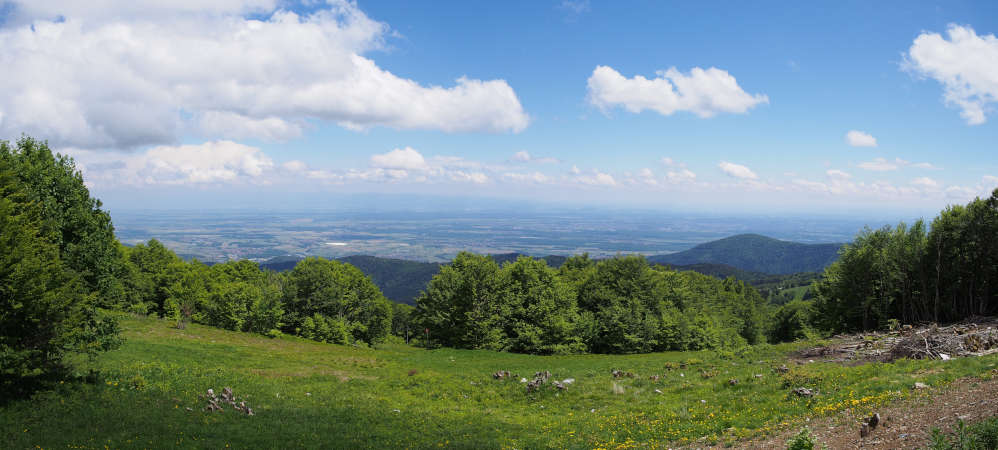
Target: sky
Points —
{"points": [[765, 107]]}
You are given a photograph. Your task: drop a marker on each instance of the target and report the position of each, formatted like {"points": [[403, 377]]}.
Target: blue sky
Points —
{"points": [[669, 105]]}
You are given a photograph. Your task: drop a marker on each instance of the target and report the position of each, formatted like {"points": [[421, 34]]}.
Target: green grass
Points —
{"points": [[366, 397]]}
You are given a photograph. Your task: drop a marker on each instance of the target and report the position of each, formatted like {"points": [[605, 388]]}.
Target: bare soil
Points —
{"points": [[905, 424]]}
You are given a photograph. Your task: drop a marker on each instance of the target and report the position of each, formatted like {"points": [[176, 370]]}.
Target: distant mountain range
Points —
{"points": [[756, 253], [752, 258]]}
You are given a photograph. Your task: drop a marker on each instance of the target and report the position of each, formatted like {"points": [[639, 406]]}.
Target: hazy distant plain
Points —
{"points": [[219, 235]]}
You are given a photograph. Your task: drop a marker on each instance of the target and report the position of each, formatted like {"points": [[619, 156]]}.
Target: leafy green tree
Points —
{"points": [[465, 305], [187, 296], [543, 314], [70, 217], [152, 269], [338, 291], [44, 311]]}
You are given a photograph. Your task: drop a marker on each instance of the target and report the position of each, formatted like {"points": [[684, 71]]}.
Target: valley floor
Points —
{"points": [[150, 394]]}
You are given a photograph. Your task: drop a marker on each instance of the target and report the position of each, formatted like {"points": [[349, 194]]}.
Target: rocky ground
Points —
{"points": [[907, 423], [904, 424]]}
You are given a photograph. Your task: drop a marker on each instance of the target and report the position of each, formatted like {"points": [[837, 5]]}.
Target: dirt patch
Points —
{"points": [[904, 424], [973, 337]]}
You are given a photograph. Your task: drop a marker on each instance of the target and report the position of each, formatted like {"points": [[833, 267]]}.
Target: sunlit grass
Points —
{"points": [[307, 394]]}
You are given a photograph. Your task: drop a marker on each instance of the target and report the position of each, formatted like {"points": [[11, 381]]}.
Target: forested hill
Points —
{"points": [[400, 280], [756, 253]]}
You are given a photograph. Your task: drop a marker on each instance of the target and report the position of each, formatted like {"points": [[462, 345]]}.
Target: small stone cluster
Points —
{"points": [[504, 374], [621, 374], [869, 425], [805, 392], [215, 403]]}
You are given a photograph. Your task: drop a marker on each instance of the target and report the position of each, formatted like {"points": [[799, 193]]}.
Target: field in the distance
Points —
{"points": [[313, 395]]}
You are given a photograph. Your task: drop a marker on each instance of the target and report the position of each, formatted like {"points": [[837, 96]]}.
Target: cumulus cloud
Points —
{"points": [[525, 156], [534, 177], [705, 93], [737, 171], [885, 165], [925, 182], [209, 163], [964, 63], [669, 162], [294, 166], [838, 174], [857, 138], [89, 77], [680, 176], [881, 165], [237, 126], [400, 159], [596, 178]]}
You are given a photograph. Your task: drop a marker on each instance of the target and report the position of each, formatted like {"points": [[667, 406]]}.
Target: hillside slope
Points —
{"points": [[310, 395], [756, 253]]}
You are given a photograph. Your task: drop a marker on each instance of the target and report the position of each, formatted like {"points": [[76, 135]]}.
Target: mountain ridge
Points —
{"points": [[751, 258]]}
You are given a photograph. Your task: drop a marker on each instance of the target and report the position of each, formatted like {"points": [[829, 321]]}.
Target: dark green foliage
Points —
{"points": [[792, 321], [402, 325], [979, 436], [755, 253], [69, 217], [336, 290], [911, 275], [151, 270], [400, 280], [619, 305], [45, 308]]}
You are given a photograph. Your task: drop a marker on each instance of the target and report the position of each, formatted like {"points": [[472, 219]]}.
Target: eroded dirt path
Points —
{"points": [[906, 424]]}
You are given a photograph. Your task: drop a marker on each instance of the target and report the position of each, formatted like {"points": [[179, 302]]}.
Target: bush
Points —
{"points": [[45, 310], [802, 441]]}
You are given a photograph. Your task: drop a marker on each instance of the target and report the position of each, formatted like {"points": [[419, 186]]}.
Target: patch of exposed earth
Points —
{"points": [[905, 424]]}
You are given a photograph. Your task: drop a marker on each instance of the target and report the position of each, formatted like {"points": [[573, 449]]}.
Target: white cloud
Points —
{"points": [[522, 156], [965, 64], [294, 166], [885, 165], [879, 165], [405, 159], [701, 92], [468, 177], [229, 124], [681, 176], [26, 11], [534, 177], [597, 178], [669, 162], [575, 170], [155, 70], [525, 156], [219, 162], [737, 171], [925, 182], [857, 138], [838, 174]]}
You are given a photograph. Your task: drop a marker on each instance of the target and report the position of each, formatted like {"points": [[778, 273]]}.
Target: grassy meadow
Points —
{"points": [[313, 395]]}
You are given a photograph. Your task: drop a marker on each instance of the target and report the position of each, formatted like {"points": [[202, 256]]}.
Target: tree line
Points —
{"points": [[911, 274], [62, 268], [617, 305]]}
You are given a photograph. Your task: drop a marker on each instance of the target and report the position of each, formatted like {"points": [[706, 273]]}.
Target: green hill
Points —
{"points": [[306, 394], [756, 253], [400, 280]]}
